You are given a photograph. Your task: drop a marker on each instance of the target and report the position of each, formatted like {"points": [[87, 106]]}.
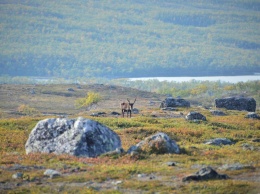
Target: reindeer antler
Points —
{"points": [[130, 102]]}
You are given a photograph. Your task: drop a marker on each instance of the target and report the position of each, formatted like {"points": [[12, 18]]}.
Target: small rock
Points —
{"points": [[252, 115], [135, 111], [114, 113], [117, 182], [52, 173], [171, 164], [195, 116], [247, 146], [206, 173], [217, 112], [18, 175], [32, 91], [141, 175], [219, 141], [170, 109], [71, 90]]}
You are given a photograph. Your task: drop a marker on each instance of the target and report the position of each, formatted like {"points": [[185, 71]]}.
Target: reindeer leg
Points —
{"points": [[123, 113], [130, 113]]}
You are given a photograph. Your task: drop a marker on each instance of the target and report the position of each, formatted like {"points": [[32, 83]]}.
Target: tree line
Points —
{"points": [[129, 39]]}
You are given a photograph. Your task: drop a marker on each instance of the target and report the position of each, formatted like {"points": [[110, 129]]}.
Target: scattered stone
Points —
{"points": [[52, 173], [141, 175], [236, 103], [256, 140], [171, 164], [195, 116], [135, 111], [97, 114], [115, 113], [78, 137], [247, 146], [170, 109], [174, 102], [207, 173], [252, 115], [32, 91], [219, 141], [159, 143], [71, 90], [151, 103], [117, 182], [18, 175], [217, 112]]}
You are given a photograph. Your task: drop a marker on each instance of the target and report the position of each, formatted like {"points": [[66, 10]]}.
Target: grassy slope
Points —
{"points": [[98, 174], [122, 39]]}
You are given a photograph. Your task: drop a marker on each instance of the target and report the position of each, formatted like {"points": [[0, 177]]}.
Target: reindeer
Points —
{"points": [[127, 107]]}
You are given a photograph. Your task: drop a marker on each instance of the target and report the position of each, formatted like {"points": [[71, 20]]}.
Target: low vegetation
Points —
{"points": [[146, 172]]}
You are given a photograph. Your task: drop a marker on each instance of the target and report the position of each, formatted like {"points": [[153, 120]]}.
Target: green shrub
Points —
{"points": [[90, 99]]}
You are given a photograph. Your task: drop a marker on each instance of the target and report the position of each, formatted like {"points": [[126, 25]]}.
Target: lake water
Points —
{"points": [[231, 79]]}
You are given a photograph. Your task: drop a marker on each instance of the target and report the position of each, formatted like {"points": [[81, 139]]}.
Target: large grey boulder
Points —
{"points": [[159, 143], [174, 102], [236, 103], [78, 137]]}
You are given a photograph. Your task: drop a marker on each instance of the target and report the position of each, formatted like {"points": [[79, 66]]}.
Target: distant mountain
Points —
{"points": [[129, 38]]}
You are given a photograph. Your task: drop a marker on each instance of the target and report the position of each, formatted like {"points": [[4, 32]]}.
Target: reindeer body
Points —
{"points": [[127, 107]]}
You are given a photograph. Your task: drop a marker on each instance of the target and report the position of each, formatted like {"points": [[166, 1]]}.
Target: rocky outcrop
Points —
{"points": [[78, 137], [174, 102], [160, 143], [206, 173], [236, 103], [195, 116]]}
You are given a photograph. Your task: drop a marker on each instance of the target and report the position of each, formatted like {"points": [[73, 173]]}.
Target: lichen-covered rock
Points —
{"points": [[236, 103], [160, 143], [78, 137], [174, 102], [195, 116]]}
